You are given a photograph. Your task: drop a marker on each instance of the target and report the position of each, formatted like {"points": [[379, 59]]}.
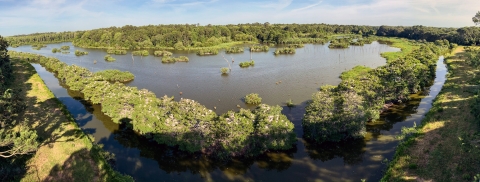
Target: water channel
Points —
{"points": [[276, 79]]}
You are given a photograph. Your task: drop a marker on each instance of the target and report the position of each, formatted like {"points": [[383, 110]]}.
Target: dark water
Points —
{"points": [[301, 75]]}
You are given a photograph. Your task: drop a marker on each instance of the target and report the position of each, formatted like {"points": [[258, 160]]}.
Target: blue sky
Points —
{"points": [[31, 16]]}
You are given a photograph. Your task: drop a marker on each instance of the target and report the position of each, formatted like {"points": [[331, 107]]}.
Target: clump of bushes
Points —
{"points": [[224, 70], [207, 51], [109, 58], [116, 51], [253, 98], [115, 75], [80, 53], [259, 48], [340, 43], [166, 59], [65, 47], [38, 46], [234, 50], [162, 53], [140, 53], [295, 46], [285, 50], [247, 64], [55, 50]]}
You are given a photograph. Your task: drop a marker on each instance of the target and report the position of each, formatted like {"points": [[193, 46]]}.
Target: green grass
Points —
{"points": [[355, 72]]}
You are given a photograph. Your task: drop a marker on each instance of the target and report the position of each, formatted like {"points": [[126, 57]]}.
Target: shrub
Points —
{"points": [[162, 53], [55, 50], [207, 51], [234, 50], [140, 53], [65, 47], [109, 58], [116, 51], [115, 75], [253, 98], [80, 53], [246, 64], [224, 70], [259, 48], [285, 50]]}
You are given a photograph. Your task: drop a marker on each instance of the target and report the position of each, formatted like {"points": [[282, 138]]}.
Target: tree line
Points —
{"points": [[185, 36]]}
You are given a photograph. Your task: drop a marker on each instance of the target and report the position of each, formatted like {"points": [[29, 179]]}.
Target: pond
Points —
{"points": [[276, 79]]}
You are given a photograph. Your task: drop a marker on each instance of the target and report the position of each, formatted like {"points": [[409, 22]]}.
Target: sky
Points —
{"points": [[34, 16]]}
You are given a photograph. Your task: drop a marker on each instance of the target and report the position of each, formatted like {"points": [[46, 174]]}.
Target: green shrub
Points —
{"points": [[109, 58], [80, 53], [247, 64], [207, 51], [116, 51], [162, 53], [140, 53], [224, 70], [234, 50], [115, 75], [285, 50], [65, 47], [55, 50], [167, 59], [253, 98], [259, 48]]}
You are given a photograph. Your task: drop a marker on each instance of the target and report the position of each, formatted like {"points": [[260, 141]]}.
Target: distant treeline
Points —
{"points": [[461, 36], [185, 36]]}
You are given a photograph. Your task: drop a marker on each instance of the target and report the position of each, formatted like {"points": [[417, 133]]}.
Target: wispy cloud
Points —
{"points": [[277, 5], [307, 7]]}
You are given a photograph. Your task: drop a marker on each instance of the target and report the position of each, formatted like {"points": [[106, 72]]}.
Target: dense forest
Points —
{"points": [[195, 36]]}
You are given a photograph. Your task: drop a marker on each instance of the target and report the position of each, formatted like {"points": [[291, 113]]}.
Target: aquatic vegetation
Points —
{"points": [[166, 59], [140, 53], [339, 43], [234, 49], [207, 51], [55, 50], [224, 70], [109, 58], [290, 103], [116, 51], [285, 50], [294, 46], [247, 64], [80, 53], [162, 53], [253, 98], [65, 47], [115, 75], [259, 48]]}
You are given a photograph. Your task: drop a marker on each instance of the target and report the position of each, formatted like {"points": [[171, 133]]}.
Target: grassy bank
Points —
{"points": [[66, 153], [445, 146]]}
